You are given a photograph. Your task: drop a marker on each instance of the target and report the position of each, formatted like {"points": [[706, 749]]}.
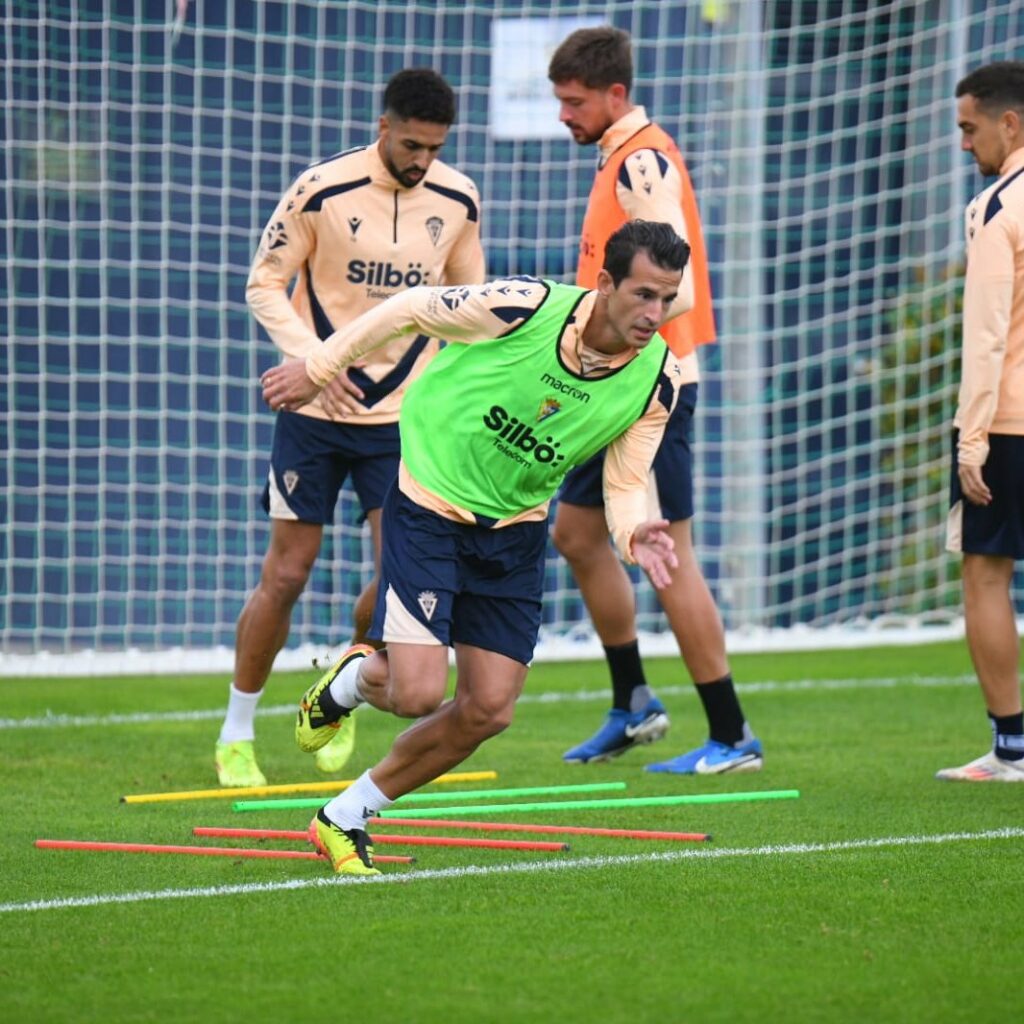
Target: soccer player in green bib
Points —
{"points": [[536, 377]]}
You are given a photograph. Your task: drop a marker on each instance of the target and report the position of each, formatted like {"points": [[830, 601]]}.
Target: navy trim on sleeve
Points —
{"points": [[324, 327], [315, 202], [375, 390], [995, 204], [660, 157], [459, 197]]}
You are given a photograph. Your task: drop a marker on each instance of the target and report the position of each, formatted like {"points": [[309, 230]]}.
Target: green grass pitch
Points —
{"points": [[880, 894]]}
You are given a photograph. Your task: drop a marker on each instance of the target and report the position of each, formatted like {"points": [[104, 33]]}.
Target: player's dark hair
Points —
{"points": [[420, 94], [997, 87], [598, 58], [659, 241]]}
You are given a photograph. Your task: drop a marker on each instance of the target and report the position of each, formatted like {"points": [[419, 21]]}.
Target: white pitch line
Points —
{"points": [[51, 719], [526, 867]]}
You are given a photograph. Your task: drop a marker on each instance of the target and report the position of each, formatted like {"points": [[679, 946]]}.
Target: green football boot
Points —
{"points": [[333, 757], [236, 765], [320, 717], [349, 850]]}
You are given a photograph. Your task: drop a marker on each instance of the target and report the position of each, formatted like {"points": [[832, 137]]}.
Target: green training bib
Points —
{"points": [[494, 426]]}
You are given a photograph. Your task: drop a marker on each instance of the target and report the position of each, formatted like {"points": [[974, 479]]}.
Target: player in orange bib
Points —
{"points": [[642, 175]]}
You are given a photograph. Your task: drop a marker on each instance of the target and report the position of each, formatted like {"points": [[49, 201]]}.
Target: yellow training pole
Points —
{"points": [[294, 787]]}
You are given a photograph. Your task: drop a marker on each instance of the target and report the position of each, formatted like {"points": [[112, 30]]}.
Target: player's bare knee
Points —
{"points": [[575, 547], [483, 720], [414, 702], [284, 582], [414, 706]]}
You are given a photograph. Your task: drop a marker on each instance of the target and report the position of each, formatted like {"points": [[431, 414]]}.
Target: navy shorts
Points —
{"points": [[450, 583], [311, 459], [673, 466], [996, 528]]}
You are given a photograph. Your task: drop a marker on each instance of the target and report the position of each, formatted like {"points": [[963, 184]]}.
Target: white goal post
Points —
{"points": [[145, 144]]}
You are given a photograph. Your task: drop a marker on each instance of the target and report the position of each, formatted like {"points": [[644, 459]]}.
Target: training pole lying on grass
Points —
{"points": [[567, 830], [195, 851], [294, 804], [486, 844], [293, 787], [583, 805]]}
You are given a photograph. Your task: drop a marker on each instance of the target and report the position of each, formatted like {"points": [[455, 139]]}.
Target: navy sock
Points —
{"points": [[722, 708], [1008, 736], [627, 673]]}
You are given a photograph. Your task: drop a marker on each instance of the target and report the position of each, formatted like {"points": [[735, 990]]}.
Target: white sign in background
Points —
{"points": [[521, 103]]}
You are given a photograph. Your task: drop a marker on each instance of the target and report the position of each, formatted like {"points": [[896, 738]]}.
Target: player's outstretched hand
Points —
{"points": [[288, 386], [654, 551]]}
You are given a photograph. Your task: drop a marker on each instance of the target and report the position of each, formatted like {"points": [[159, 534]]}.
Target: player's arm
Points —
{"points": [[988, 297], [636, 527], [285, 245], [461, 314], [649, 188]]}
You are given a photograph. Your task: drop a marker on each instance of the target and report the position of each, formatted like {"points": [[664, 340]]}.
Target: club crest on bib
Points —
{"points": [[548, 408]]}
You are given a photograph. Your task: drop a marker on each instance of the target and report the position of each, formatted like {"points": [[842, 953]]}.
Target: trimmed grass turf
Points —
{"points": [[897, 933]]}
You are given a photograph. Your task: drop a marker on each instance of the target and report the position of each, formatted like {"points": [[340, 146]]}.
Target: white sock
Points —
{"points": [[238, 722], [344, 689], [361, 801]]}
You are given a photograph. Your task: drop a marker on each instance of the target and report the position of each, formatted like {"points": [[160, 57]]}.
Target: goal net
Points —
{"points": [[146, 143]]}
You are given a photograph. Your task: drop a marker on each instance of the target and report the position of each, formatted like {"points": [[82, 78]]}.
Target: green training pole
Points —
{"points": [[583, 805], [432, 797]]}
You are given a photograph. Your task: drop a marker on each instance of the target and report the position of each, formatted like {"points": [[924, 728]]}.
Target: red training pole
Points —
{"points": [[578, 830], [252, 833], [280, 833], [491, 844], [197, 851]]}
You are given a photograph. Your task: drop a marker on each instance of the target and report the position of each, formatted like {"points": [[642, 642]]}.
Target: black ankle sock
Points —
{"points": [[1008, 735], [627, 673], [722, 708]]}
